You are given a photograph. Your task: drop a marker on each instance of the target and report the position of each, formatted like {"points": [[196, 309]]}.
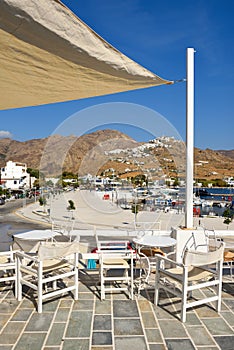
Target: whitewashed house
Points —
{"points": [[14, 176]]}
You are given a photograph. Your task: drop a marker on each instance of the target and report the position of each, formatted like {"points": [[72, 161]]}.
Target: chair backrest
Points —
{"points": [[63, 227], [108, 244], [115, 254], [199, 258], [198, 241], [51, 250]]}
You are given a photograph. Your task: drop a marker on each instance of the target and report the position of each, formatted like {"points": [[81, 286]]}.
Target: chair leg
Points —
{"points": [[157, 278], [184, 294], [102, 283], [131, 279], [18, 280], [76, 277], [183, 313], [39, 288], [183, 304], [219, 287]]}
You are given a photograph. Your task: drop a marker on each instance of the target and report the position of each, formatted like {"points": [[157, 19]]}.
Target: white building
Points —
{"points": [[14, 176], [229, 181]]}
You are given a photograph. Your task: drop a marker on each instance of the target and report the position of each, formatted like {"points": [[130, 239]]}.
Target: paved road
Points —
{"points": [[11, 223]]}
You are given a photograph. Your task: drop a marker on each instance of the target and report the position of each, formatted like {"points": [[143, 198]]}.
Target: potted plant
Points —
{"points": [[42, 202], [71, 207], [228, 215]]}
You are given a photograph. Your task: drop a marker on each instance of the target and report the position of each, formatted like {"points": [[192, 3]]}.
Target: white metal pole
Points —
{"points": [[189, 138]]}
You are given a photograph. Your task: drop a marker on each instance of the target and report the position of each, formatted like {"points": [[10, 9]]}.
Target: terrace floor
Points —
{"points": [[116, 323]]}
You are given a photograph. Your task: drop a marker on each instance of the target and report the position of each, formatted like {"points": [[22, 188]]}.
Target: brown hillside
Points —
{"points": [[91, 154], [227, 153]]}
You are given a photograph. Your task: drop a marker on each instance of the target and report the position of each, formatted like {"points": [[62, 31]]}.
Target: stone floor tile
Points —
{"points": [[66, 303], [162, 314], [230, 303], [148, 319], [225, 342], [144, 305], [40, 322], [102, 338], [62, 314], [31, 341], [4, 318], [79, 325], [228, 289], [77, 344], [208, 348], [8, 306], [200, 336], [206, 311], [50, 306], [192, 319], [218, 326], [83, 305], [101, 348], [127, 327], [136, 343], [153, 335], [125, 308], [103, 307], [11, 332], [102, 322], [21, 315], [27, 304], [172, 329], [229, 317], [179, 344], [157, 347], [120, 295], [56, 334], [86, 295]]}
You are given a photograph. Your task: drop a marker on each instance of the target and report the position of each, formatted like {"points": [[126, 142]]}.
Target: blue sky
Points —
{"points": [[156, 35]]}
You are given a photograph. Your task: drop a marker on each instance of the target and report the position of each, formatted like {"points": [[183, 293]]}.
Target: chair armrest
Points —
{"points": [[28, 256], [8, 253], [165, 259]]}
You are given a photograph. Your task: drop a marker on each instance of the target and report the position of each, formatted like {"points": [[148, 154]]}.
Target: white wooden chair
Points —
{"points": [[110, 244], [63, 228], [228, 263], [192, 274], [53, 262], [116, 271], [8, 268]]}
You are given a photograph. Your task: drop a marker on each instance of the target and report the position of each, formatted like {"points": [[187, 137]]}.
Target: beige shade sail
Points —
{"points": [[48, 55]]}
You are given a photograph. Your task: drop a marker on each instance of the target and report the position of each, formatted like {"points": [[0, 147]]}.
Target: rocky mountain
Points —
{"points": [[109, 152], [227, 153]]}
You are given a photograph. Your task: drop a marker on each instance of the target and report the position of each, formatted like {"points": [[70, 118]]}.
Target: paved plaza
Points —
{"points": [[116, 323]]}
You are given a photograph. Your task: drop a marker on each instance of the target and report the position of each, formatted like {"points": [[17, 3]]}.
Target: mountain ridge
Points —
{"points": [[94, 153]]}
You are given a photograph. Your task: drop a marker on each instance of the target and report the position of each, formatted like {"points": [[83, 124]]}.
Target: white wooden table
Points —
{"points": [[155, 241]]}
